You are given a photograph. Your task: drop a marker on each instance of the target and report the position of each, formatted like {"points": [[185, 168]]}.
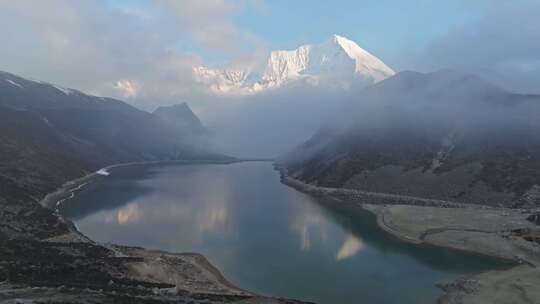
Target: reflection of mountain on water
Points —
{"points": [[363, 225], [108, 197], [264, 235]]}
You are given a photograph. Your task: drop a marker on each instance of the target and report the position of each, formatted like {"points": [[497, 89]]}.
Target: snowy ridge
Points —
{"points": [[29, 83], [284, 65], [221, 80], [338, 62], [366, 63], [14, 83], [61, 89]]}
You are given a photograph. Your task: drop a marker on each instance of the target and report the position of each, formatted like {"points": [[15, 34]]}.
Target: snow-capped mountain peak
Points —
{"points": [[365, 62], [339, 62]]}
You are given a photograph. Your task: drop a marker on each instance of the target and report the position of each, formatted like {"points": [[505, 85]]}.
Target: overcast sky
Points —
{"points": [[143, 50]]}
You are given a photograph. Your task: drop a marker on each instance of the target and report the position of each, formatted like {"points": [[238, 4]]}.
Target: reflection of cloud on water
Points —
{"points": [[306, 241], [212, 217], [128, 214], [211, 214], [131, 213], [305, 223], [195, 213], [350, 247], [182, 209]]}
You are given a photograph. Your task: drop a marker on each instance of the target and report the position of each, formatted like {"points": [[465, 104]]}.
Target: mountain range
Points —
{"points": [[51, 134], [442, 135], [336, 63]]}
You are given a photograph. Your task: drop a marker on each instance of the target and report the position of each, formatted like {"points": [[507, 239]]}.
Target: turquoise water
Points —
{"points": [[265, 236]]}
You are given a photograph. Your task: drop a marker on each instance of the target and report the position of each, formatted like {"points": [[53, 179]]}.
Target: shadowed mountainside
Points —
{"points": [[442, 135], [49, 135], [181, 116], [52, 134]]}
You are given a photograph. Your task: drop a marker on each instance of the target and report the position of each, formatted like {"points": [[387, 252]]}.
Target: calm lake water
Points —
{"points": [[265, 236]]}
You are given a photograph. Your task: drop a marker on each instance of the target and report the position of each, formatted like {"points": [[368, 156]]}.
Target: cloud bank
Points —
{"points": [[502, 46], [144, 53]]}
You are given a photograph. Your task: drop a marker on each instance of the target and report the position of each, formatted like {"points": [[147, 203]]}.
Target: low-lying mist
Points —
{"points": [[429, 109], [272, 123], [275, 122]]}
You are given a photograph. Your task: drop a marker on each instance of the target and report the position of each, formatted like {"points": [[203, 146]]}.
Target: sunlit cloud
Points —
{"points": [[127, 88], [141, 52]]}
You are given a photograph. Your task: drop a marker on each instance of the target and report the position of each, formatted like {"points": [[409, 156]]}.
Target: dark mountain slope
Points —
{"points": [[33, 155], [49, 135], [441, 135], [181, 116]]}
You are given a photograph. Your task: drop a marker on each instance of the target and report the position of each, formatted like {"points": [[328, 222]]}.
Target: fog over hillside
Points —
{"points": [[300, 89], [272, 123], [148, 54], [264, 151], [445, 135]]}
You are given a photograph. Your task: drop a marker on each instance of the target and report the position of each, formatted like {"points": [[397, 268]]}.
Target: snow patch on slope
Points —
{"points": [[14, 83], [63, 90]]}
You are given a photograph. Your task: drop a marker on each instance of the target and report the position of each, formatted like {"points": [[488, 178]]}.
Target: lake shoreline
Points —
{"points": [[68, 188], [447, 224], [188, 274], [386, 214]]}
